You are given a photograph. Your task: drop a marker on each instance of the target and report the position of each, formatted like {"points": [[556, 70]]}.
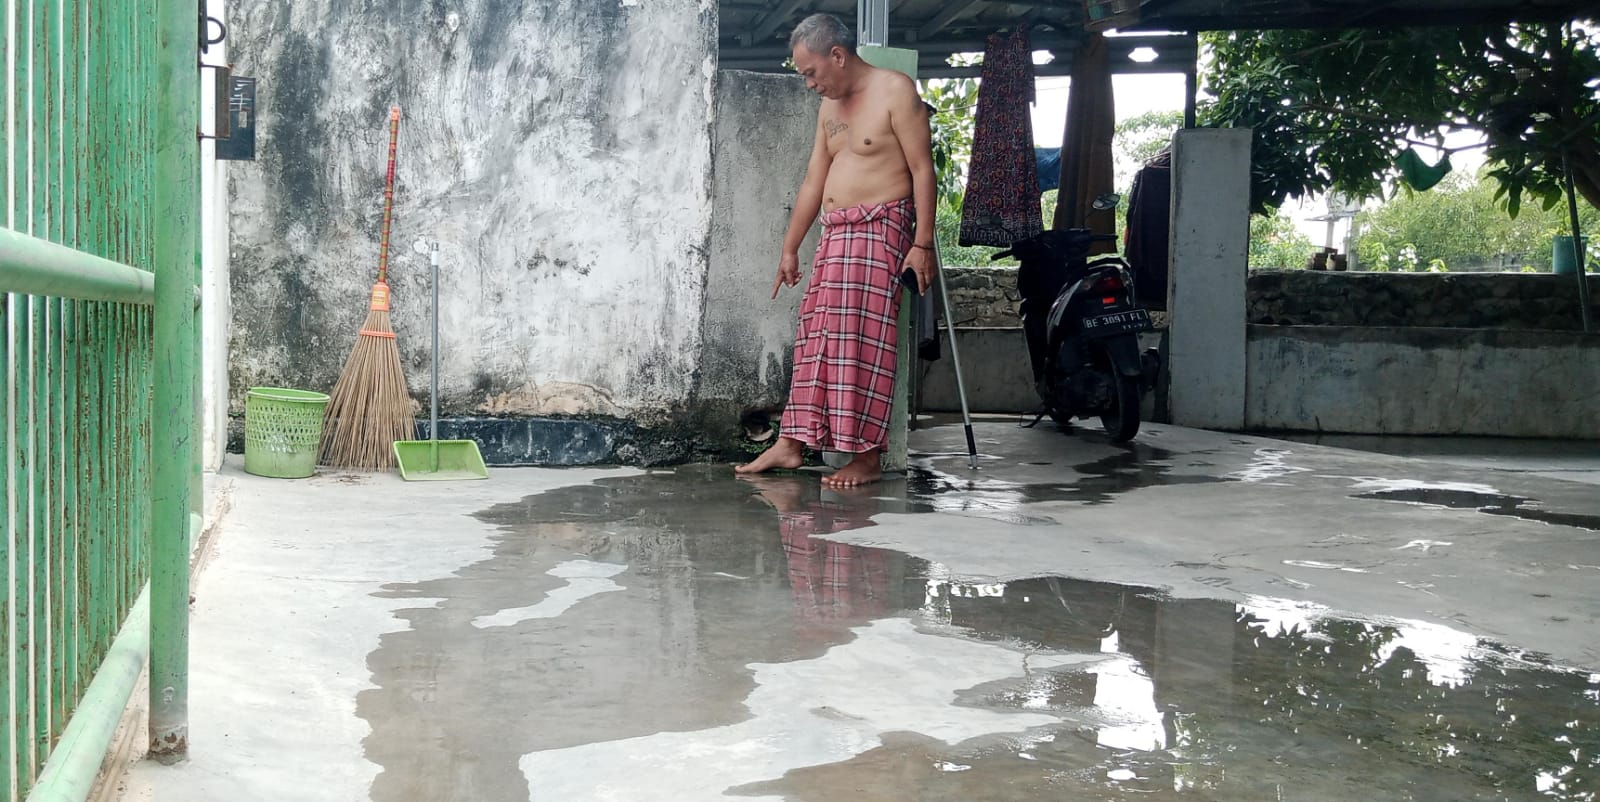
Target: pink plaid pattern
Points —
{"points": [[844, 353], [832, 580]]}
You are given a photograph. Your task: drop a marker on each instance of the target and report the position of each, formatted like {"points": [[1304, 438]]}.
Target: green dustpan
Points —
{"points": [[434, 459], [439, 460]]}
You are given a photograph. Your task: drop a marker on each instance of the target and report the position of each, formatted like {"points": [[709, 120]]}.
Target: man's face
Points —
{"points": [[821, 71]]}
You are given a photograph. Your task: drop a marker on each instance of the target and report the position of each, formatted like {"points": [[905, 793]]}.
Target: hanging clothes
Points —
{"points": [[1002, 200], [1149, 224], [1086, 154]]}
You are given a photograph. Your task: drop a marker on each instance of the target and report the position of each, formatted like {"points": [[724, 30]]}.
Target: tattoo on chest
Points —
{"points": [[835, 126]]}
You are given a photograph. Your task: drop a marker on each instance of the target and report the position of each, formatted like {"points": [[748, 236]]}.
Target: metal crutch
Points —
{"points": [[955, 356]]}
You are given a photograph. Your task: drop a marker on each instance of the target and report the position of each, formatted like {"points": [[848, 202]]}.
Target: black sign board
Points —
{"points": [[241, 142]]}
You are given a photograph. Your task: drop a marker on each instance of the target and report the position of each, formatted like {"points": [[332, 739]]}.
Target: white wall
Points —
{"points": [[215, 308]]}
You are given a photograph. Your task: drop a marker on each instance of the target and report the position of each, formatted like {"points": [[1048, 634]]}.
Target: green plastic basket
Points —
{"points": [[282, 429]]}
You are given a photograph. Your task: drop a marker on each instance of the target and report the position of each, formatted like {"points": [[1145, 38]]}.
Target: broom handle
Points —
{"points": [[433, 394], [388, 195]]}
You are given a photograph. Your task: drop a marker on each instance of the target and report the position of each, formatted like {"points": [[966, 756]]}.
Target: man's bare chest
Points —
{"points": [[859, 134]]}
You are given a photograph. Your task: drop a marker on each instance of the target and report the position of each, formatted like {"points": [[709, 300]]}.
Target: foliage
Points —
{"points": [[1138, 139], [1333, 109], [1460, 223], [955, 102], [1276, 243]]}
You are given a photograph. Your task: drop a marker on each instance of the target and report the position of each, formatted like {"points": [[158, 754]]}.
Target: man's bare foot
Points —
{"points": [[865, 469], [786, 453]]}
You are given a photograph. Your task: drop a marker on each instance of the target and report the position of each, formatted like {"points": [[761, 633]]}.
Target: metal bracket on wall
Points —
{"points": [[206, 21], [221, 120]]}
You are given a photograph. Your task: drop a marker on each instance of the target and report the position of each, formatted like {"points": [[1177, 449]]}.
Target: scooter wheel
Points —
{"points": [[1123, 423]]}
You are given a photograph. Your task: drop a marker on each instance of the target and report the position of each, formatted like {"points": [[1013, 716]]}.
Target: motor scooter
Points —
{"points": [[1082, 327]]}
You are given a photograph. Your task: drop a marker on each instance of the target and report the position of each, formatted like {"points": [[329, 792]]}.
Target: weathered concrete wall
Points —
{"points": [[1447, 300], [559, 150], [1424, 381], [761, 142]]}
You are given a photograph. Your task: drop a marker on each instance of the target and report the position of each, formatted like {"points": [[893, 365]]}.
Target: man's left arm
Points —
{"points": [[909, 118]]}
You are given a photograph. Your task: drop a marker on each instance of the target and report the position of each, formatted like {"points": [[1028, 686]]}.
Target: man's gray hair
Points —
{"points": [[821, 33]]}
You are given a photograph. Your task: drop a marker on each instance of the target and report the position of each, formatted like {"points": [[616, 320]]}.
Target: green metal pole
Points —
{"points": [[22, 633], [8, 520], [9, 776], [176, 257], [39, 421]]}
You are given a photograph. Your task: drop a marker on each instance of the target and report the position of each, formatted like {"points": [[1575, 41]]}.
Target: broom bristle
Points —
{"points": [[370, 406]]}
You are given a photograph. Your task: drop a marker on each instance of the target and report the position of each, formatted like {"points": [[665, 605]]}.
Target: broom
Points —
{"points": [[370, 407]]}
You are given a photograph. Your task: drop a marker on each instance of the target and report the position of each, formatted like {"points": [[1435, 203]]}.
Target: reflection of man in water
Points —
{"points": [[827, 579]]}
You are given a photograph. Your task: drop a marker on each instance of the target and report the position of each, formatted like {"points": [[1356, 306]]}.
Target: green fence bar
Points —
{"points": [[98, 197], [177, 255], [69, 774], [8, 555], [35, 266]]}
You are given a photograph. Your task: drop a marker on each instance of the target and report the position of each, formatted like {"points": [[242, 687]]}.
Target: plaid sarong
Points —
{"points": [[844, 352]]}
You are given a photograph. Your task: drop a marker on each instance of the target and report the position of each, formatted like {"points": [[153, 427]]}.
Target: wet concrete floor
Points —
{"points": [[1193, 616]]}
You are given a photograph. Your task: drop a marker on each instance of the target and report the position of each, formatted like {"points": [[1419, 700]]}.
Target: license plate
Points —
{"points": [[1117, 323]]}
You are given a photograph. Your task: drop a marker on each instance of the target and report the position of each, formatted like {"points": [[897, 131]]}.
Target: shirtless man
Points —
{"points": [[870, 174]]}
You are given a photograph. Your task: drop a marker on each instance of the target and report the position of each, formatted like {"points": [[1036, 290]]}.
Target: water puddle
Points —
{"points": [[1489, 503], [686, 635], [1130, 467]]}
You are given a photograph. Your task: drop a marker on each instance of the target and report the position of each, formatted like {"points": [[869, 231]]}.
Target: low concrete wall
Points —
{"points": [[1433, 381], [994, 362], [1448, 300]]}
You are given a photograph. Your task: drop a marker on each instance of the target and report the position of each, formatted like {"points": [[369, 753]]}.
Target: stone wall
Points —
{"points": [[986, 297], [558, 150], [1476, 300]]}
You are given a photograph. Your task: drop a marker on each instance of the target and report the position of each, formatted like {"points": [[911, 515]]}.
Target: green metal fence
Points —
{"points": [[97, 200]]}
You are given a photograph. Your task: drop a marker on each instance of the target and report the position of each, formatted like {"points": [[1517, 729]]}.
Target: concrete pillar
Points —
{"points": [[895, 458], [1206, 290]]}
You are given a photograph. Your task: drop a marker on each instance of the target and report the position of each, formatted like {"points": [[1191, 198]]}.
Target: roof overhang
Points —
{"points": [[754, 33], [1233, 15]]}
